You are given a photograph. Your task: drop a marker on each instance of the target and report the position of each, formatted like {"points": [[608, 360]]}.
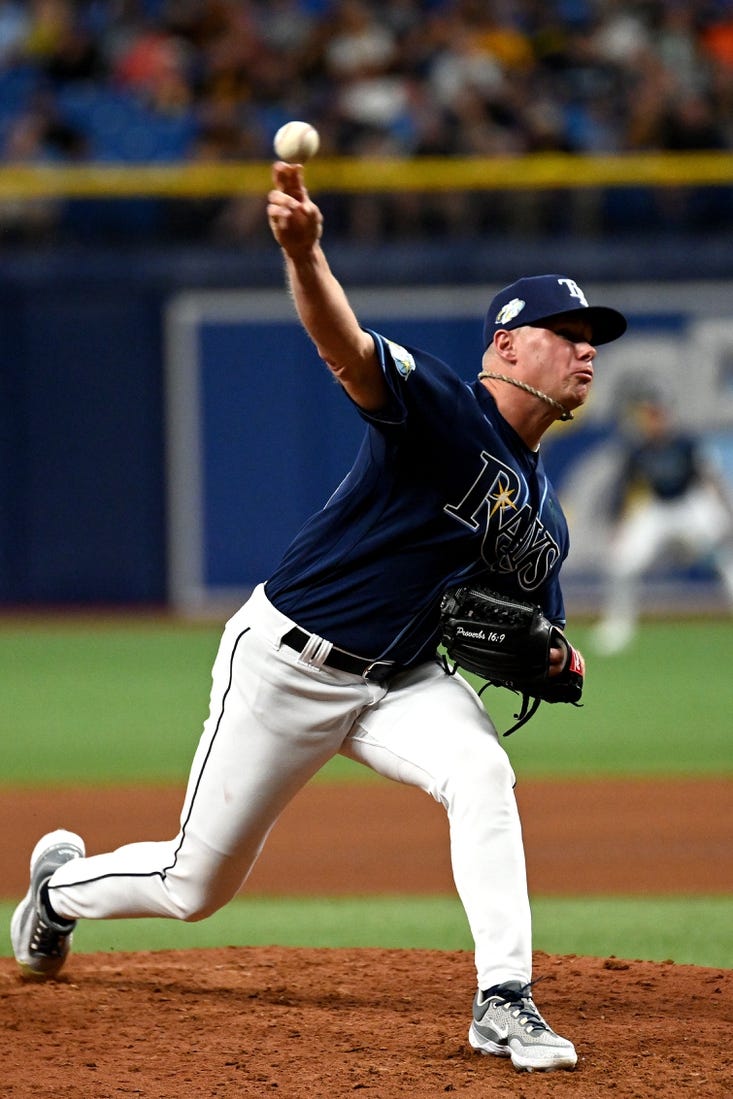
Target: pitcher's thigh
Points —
{"points": [[431, 730], [272, 725]]}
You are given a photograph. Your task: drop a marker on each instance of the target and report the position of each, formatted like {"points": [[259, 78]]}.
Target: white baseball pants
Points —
{"points": [[695, 524], [275, 718]]}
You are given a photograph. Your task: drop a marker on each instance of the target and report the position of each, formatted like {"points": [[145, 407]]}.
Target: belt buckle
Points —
{"points": [[386, 666]]}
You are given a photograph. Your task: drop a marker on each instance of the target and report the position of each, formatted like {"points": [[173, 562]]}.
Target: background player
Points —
{"points": [[448, 484], [668, 500]]}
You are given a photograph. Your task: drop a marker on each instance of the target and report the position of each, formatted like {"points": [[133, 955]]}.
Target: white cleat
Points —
{"points": [[41, 940], [506, 1023]]}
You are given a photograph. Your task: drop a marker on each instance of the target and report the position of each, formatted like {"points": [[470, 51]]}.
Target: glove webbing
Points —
{"points": [[530, 704]]}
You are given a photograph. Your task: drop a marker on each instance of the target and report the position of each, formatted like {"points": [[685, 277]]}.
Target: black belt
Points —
{"points": [[377, 671]]}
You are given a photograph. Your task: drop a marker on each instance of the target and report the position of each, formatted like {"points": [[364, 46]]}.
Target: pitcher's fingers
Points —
{"points": [[289, 178]]}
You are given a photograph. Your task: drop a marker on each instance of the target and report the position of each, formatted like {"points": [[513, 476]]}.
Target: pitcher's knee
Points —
{"points": [[192, 902], [489, 775], [202, 912]]}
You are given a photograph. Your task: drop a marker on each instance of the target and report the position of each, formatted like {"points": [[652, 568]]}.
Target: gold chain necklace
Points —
{"points": [[566, 413]]}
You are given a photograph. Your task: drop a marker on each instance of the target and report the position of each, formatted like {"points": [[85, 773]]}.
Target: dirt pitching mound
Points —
{"points": [[332, 1023]]}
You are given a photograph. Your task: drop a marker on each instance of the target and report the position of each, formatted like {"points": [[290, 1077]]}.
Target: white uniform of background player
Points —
{"points": [[669, 502]]}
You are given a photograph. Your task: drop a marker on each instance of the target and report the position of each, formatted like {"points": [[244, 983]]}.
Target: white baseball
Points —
{"points": [[296, 142]]}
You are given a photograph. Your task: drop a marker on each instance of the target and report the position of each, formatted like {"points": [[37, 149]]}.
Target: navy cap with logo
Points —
{"points": [[543, 297]]}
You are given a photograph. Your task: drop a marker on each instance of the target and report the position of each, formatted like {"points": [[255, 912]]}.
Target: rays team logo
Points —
{"points": [[515, 539], [574, 290], [509, 311], [403, 360]]}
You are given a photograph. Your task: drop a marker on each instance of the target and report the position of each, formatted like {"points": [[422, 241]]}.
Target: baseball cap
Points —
{"points": [[541, 297]]}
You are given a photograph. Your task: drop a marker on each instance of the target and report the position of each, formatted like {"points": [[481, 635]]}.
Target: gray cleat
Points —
{"points": [[506, 1023], [40, 939]]}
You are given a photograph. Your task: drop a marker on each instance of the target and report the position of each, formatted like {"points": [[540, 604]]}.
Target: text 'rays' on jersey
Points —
{"points": [[515, 539]]}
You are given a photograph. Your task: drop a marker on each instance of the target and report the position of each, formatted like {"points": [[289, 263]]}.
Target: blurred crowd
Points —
{"points": [[211, 80]]}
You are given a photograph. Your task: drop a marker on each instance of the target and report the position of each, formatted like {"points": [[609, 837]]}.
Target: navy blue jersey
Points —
{"points": [[442, 489]]}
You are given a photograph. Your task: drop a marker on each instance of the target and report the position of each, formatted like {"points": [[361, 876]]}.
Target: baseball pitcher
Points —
{"points": [[338, 651]]}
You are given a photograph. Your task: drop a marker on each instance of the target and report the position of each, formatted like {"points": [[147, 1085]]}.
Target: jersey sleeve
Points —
{"points": [[419, 385]]}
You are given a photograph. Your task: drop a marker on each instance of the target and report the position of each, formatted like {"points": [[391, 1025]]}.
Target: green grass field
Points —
{"points": [[695, 931], [123, 699]]}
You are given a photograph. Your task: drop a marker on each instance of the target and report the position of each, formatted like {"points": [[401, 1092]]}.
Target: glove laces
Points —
{"points": [[530, 704]]}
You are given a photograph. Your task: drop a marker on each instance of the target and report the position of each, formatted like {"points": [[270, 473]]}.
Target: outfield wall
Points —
{"points": [[164, 425]]}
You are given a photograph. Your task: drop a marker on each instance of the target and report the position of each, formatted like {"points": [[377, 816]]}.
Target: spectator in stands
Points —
{"points": [[408, 78], [13, 31]]}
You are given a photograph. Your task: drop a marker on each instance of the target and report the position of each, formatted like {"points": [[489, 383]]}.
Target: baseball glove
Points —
{"points": [[507, 642]]}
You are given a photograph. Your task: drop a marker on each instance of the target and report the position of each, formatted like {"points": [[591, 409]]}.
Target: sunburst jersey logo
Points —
{"points": [[403, 360]]}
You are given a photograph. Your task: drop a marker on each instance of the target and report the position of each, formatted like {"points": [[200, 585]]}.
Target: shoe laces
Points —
{"points": [[521, 1005], [46, 940]]}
